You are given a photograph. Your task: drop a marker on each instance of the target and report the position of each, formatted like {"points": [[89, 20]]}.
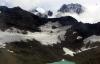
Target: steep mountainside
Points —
{"points": [[30, 39]]}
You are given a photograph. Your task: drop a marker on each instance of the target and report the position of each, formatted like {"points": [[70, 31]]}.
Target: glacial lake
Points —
{"points": [[63, 62]]}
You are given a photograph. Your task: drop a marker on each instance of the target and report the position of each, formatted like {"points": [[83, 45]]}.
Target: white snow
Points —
{"points": [[47, 36], [10, 51], [79, 37], [14, 30], [68, 51], [41, 10], [85, 49], [6, 37], [50, 36], [71, 53], [92, 39], [74, 32]]}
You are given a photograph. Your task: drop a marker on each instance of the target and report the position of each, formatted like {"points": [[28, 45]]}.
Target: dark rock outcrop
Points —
{"points": [[71, 8]]}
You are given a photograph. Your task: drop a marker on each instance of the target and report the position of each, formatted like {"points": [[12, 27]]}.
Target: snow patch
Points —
{"points": [[92, 39], [79, 37], [71, 53], [14, 30], [41, 10], [6, 37], [10, 51], [68, 51], [85, 49], [50, 35], [74, 32], [47, 36]]}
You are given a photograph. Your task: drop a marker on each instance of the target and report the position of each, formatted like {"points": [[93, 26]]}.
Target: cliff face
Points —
{"points": [[30, 39]]}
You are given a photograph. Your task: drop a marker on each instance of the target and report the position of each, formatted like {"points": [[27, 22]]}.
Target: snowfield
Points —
{"points": [[47, 36], [92, 39]]}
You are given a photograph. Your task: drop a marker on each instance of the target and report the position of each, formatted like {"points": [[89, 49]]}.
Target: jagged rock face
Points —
{"points": [[42, 13], [87, 29], [50, 13], [19, 18], [71, 8], [31, 39]]}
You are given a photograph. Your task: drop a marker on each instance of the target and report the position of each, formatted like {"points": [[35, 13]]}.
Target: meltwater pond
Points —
{"points": [[63, 62]]}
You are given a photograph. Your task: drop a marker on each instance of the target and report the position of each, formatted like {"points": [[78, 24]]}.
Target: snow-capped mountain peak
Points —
{"points": [[41, 10]]}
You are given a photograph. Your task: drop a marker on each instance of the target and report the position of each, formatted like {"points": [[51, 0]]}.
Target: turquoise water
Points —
{"points": [[63, 62]]}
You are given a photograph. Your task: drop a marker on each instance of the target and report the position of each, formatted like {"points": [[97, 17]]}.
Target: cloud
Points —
{"points": [[46, 4], [28, 4], [25, 4]]}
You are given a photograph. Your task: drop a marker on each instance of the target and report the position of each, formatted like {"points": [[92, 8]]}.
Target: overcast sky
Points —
{"points": [[46, 4], [93, 6]]}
